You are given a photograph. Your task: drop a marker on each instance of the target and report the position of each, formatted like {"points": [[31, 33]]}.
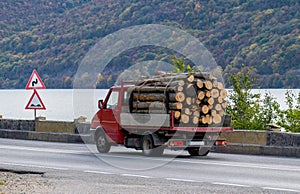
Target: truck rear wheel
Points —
{"points": [[198, 151], [103, 146], [148, 147]]}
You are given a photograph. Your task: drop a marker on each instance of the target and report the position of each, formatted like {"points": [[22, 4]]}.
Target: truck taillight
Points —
{"points": [[221, 142], [176, 143]]}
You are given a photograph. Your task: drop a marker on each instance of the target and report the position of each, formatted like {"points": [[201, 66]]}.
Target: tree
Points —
{"points": [[248, 110], [290, 118]]}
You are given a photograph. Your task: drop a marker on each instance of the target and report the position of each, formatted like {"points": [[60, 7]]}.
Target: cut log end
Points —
{"points": [[180, 96]]}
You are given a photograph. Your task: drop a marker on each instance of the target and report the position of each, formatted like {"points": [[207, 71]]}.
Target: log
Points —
{"points": [[181, 82], [196, 113], [179, 89], [185, 118], [221, 113], [176, 105], [161, 79], [175, 83], [203, 120], [218, 107], [220, 86], [180, 97], [204, 109], [176, 97], [214, 93], [147, 105], [149, 97], [208, 84], [177, 114], [209, 101], [208, 94], [209, 119], [195, 120], [190, 101], [187, 111], [220, 100], [190, 78], [223, 93], [217, 119], [200, 84], [201, 95], [150, 111], [156, 89], [224, 105], [213, 113]]}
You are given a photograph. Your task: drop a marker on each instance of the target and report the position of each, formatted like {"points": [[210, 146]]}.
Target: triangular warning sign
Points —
{"points": [[35, 102], [35, 82]]}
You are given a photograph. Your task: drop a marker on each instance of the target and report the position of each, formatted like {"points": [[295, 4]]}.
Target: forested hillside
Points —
{"points": [[54, 35]]}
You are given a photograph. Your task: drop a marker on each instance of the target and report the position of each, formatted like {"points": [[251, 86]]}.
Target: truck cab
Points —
{"points": [[107, 119]]}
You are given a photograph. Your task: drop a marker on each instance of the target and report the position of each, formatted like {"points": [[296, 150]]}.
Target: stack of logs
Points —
{"points": [[196, 99]]}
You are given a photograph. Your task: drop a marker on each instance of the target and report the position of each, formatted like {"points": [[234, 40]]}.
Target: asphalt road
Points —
{"points": [[78, 168]]}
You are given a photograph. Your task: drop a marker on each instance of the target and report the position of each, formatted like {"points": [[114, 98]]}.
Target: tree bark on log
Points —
{"points": [[149, 97]]}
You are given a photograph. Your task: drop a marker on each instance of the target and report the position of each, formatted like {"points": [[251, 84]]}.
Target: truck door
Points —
{"points": [[111, 115]]}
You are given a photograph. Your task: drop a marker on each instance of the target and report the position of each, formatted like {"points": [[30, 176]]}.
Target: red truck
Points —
{"points": [[113, 124]]}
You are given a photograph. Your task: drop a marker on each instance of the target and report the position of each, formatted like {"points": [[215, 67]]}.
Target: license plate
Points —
{"points": [[196, 143]]}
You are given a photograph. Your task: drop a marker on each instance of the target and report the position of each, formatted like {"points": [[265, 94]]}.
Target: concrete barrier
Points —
{"points": [[46, 136], [13, 124], [246, 137], [55, 126], [264, 138], [261, 143]]}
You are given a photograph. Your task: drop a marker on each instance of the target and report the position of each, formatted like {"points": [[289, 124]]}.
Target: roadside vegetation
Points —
{"points": [[254, 111]]}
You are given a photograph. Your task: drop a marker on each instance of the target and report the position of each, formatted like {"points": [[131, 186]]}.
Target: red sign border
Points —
{"points": [[37, 108], [28, 87]]}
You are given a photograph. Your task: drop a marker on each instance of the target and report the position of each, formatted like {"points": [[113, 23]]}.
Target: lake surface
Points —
{"points": [[65, 105]]}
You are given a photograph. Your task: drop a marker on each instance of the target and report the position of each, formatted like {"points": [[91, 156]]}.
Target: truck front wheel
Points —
{"points": [[103, 146], [198, 151], [148, 147]]}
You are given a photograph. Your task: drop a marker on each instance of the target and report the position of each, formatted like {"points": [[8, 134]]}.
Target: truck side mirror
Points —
{"points": [[100, 104]]}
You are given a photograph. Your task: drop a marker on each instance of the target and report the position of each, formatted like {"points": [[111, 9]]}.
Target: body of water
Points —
{"points": [[65, 105]]}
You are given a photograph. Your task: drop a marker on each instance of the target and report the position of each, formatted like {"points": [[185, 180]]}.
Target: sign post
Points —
{"points": [[35, 102]]}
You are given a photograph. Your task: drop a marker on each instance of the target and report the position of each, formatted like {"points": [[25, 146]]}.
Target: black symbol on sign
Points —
{"points": [[34, 82], [35, 105]]}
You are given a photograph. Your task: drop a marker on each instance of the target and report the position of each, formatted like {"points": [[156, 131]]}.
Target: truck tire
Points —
{"points": [[148, 147], [103, 146], [198, 151]]}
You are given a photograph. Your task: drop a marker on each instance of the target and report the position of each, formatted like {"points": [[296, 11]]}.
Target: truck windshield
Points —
{"points": [[112, 102]]}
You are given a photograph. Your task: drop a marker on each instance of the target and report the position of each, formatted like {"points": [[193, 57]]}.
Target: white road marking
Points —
{"points": [[136, 175], [183, 180], [230, 184], [34, 166], [281, 189], [98, 172]]}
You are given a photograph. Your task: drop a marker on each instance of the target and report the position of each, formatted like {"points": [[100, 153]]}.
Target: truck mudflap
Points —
{"points": [[183, 143]]}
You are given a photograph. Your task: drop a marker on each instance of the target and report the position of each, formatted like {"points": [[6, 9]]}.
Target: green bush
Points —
{"points": [[290, 118], [253, 112]]}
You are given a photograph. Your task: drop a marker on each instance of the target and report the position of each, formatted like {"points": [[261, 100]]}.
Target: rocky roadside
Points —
{"points": [[14, 183]]}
